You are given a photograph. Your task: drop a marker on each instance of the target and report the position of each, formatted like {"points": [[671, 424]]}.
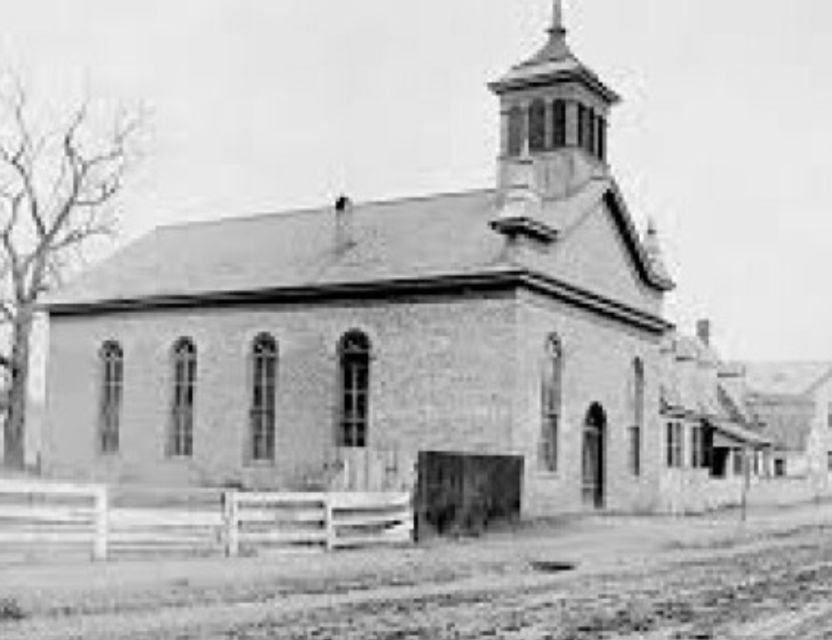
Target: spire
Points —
{"points": [[556, 47], [557, 30]]}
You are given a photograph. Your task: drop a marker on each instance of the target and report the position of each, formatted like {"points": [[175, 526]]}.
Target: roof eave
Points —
{"points": [[535, 80], [496, 278]]}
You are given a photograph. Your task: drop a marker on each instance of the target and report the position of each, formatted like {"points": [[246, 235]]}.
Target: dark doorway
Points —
{"points": [[463, 493], [595, 428]]}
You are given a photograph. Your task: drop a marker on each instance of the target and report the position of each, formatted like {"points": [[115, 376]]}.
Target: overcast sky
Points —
{"points": [[265, 105]]}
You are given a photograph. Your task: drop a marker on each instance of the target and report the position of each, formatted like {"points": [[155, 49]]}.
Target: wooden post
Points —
{"points": [[746, 481], [231, 520], [329, 522], [101, 523]]}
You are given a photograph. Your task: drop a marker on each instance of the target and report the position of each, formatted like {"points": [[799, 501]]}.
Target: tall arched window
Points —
{"points": [[263, 385], [181, 442], [516, 131], [559, 124], [551, 398], [537, 126], [638, 417], [354, 353], [112, 382]]}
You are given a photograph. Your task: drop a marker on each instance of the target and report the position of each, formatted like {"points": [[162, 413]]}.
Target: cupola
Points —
{"points": [[554, 113]]}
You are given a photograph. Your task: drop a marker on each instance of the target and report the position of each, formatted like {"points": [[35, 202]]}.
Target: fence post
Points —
{"points": [[101, 523], [231, 520], [329, 521]]}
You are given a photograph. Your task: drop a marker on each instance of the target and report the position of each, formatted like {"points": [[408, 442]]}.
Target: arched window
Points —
{"points": [[181, 441], [263, 385], [516, 131], [638, 417], [559, 124], [112, 382], [537, 126], [551, 397], [354, 353]]}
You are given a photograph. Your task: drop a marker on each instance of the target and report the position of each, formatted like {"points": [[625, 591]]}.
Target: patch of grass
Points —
{"points": [[10, 610]]}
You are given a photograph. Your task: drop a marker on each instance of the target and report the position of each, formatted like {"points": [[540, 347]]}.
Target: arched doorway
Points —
{"points": [[594, 446]]}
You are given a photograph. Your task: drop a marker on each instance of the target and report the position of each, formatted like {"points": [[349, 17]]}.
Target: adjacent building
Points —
{"points": [[793, 401], [715, 448]]}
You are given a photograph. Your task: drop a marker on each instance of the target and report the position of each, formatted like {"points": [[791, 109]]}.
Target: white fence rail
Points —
{"points": [[330, 520], [40, 516], [65, 516]]}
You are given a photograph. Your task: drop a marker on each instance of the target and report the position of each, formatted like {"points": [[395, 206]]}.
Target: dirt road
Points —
{"points": [[633, 578]]}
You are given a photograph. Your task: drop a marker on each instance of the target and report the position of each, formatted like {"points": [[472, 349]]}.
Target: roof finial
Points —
{"points": [[557, 28]]}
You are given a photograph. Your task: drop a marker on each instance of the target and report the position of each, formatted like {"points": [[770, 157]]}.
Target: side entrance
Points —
{"points": [[594, 457]]}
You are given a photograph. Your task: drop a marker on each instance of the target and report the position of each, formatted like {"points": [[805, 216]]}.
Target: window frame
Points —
{"points": [[674, 444], [111, 361], [183, 403], [739, 462], [601, 139], [537, 126], [581, 128], [355, 370], [639, 410], [516, 142], [551, 405], [697, 446], [559, 124], [264, 363], [779, 468]]}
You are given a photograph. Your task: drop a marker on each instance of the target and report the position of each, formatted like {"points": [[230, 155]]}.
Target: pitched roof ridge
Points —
{"points": [[305, 211]]}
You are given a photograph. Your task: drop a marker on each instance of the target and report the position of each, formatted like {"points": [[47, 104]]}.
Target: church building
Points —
{"points": [[523, 321]]}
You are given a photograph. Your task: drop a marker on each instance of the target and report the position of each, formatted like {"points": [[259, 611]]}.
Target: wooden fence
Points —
{"points": [[329, 520], [59, 518], [38, 517]]}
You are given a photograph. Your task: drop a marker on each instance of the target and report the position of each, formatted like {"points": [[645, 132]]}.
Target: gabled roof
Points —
{"points": [[786, 420], [403, 240], [734, 406], [409, 238], [785, 378], [742, 434]]}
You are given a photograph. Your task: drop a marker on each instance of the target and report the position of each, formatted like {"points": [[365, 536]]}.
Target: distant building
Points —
{"points": [[793, 401], [714, 446]]}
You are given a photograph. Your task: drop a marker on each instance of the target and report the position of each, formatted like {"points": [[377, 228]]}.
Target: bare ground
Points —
{"points": [[651, 578]]}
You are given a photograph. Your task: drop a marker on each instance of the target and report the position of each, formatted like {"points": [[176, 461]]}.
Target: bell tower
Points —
{"points": [[554, 112]]}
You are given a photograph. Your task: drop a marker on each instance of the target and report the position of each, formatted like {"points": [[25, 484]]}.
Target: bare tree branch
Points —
{"points": [[57, 192]]}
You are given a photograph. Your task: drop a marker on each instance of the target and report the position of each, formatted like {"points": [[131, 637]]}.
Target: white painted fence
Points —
{"points": [[328, 520], [40, 516], [65, 517]]}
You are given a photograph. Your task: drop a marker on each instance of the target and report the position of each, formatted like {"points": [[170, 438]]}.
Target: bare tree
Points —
{"points": [[58, 186]]}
